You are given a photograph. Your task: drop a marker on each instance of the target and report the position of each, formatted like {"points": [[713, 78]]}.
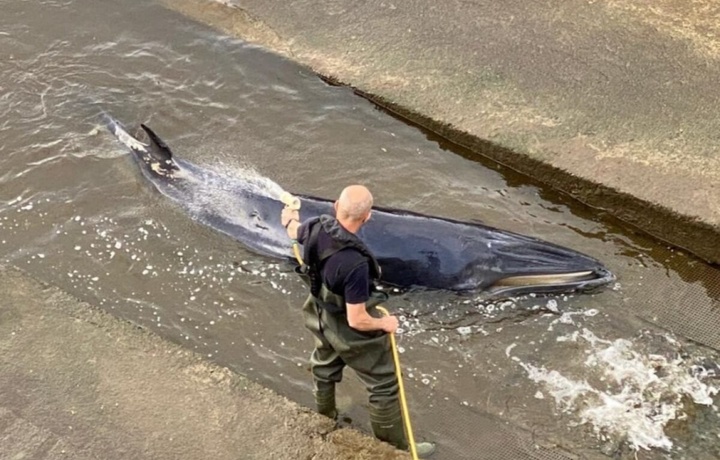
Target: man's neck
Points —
{"points": [[350, 225]]}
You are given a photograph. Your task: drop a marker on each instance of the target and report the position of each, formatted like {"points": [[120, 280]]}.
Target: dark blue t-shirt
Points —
{"points": [[354, 286]]}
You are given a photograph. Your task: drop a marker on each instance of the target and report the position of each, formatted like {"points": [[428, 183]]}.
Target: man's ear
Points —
{"points": [[335, 206], [369, 215]]}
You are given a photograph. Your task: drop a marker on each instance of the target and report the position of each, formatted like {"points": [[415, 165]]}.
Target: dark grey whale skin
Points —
{"points": [[413, 250]]}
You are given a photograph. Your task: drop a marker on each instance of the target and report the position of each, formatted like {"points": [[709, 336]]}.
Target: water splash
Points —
{"points": [[633, 396]]}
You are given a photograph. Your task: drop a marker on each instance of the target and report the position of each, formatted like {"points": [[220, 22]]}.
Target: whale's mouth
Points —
{"points": [[587, 281], [548, 279]]}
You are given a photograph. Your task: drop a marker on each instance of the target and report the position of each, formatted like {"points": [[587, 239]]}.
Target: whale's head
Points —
{"points": [[517, 264]]}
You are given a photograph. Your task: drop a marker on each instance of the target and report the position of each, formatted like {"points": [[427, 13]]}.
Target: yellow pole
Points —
{"points": [[293, 202], [401, 387]]}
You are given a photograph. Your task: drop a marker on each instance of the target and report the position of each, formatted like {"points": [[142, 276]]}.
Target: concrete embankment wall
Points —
{"points": [[614, 103]]}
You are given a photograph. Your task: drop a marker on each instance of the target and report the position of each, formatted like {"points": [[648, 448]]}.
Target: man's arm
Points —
{"points": [[357, 287], [360, 319]]}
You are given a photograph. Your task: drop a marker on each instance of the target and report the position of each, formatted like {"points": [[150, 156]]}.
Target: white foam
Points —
{"points": [[564, 390], [635, 396]]}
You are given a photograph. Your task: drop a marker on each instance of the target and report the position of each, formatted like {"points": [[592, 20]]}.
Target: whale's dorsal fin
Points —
{"points": [[159, 149], [159, 156]]}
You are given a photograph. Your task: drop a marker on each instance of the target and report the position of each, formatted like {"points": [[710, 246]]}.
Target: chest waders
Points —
{"points": [[368, 353]]}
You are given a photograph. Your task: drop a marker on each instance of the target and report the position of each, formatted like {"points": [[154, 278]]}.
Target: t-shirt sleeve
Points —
{"points": [[357, 284]]}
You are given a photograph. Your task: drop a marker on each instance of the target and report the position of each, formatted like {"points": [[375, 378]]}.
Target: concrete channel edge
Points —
{"points": [[689, 233]]}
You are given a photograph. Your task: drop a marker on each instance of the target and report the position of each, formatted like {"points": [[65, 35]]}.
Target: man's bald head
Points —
{"points": [[354, 204]]}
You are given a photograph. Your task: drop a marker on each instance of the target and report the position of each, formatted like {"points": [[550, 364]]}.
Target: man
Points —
{"points": [[340, 271]]}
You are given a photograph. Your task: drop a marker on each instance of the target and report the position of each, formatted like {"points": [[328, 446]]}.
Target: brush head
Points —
{"points": [[290, 201]]}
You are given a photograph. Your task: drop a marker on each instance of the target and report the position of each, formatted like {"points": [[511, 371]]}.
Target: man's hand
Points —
{"points": [[390, 324], [358, 318], [288, 215]]}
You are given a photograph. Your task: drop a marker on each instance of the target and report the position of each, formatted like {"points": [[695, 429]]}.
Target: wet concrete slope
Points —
{"points": [[612, 102], [77, 383]]}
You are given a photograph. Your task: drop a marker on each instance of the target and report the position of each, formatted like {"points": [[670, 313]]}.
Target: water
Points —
{"points": [[75, 212]]}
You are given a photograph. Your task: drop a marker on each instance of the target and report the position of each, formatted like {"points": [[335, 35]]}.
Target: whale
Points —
{"points": [[415, 251]]}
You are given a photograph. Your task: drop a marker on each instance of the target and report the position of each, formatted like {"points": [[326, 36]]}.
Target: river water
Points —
{"points": [[625, 372]]}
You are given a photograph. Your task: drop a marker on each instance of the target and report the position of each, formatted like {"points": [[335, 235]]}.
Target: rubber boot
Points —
{"points": [[387, 425], [325, 399]]}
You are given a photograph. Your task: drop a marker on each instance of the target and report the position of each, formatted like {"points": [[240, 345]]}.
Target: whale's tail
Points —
{"points": [[156, 156]]}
